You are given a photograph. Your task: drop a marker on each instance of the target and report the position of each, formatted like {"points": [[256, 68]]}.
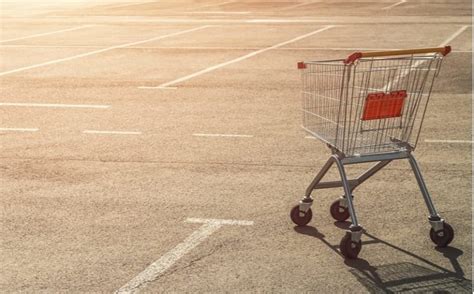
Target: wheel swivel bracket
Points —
{"points": [[356, 233], [305, 204], [437, 225]]}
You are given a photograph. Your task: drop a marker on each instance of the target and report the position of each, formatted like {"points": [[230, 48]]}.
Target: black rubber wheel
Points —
{"points": [[303, 219], [338, 212], [349, 248], [443, 237]]}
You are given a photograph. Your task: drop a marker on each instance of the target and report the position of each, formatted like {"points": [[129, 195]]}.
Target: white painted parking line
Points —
{"points": [[229, 222], [449, 141], [218, 12], [157, 268], [283, 21], [112, 132], [49, 105], [298, 5], [18, 130], [222, 135], [131, 4], [394, 5], [454, 36], [417, 63], [47, 33], [101, 51], [246, 56], [214, 5]]}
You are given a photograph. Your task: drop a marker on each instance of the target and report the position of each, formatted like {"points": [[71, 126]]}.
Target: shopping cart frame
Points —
{"points": [[441, 232]]}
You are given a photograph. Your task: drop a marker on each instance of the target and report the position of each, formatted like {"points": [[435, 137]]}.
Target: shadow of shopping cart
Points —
{"points": [[403, 277]]}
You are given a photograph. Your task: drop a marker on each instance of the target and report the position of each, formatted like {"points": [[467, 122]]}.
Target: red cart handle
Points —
{"points": [[357, 55]]}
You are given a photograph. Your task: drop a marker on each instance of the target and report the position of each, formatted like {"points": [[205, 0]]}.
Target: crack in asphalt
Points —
{"points": [[188, 265]]}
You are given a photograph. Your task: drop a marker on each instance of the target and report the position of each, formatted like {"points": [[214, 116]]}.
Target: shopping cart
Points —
{"points": [[368, 108]]}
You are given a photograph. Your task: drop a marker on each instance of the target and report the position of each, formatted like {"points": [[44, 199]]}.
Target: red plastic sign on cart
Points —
{"points": [[384, 105]]}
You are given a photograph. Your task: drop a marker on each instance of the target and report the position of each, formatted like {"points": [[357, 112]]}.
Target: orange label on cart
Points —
{"points": [[384, 105]]}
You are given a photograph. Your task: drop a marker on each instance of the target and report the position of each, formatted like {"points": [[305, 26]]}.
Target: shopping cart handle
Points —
{"points": [[357, 55]]}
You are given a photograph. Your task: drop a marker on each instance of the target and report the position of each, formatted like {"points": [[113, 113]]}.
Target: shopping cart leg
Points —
{"points": [[350, 244], [423, 188], [441, 232], [339, 208], [348, 195], [318, 177], [301, 214]]}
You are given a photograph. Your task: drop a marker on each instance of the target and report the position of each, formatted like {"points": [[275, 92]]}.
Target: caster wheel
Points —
{"points": [[349, 248], [338, 212], [442, 237], [300, 218]]}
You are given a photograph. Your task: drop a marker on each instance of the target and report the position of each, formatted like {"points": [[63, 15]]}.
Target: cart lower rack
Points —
{"points": [[368, 107]]}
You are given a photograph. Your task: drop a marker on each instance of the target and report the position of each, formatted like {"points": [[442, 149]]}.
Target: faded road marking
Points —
{"points": [[449, 141], [157, 268], [212, 68], [112, 132], [222, 135], [100, 51], [53, 105], [395, 4], [47, 33], [18, 130]]}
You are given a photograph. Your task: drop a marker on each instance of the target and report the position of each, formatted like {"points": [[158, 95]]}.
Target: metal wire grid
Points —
{"points": [[334, 96]]}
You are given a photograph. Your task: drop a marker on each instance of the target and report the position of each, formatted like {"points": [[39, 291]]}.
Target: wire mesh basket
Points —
{"points": [[369, 103]]}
